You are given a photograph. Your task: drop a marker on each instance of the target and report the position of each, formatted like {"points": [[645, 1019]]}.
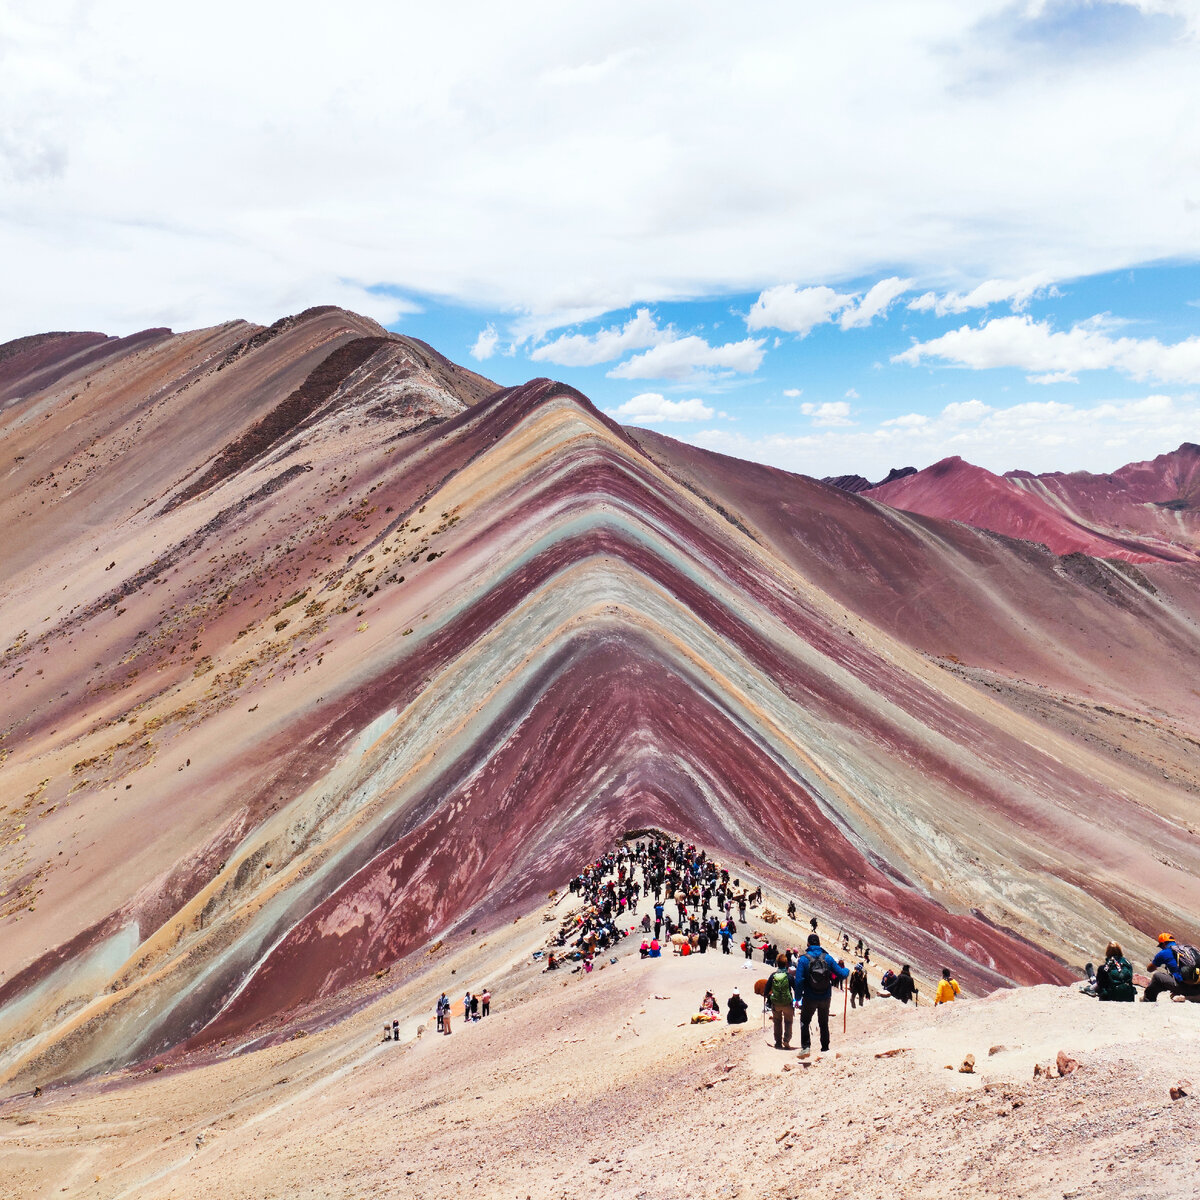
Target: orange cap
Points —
{"points": [[1164, 937]]}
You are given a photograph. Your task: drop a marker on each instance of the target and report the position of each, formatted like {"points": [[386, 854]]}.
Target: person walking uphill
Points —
{"points": [[816, 969], [779, 996]]}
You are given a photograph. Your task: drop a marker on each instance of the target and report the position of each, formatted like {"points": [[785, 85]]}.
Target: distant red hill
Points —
{"points": [[1144, 512]]}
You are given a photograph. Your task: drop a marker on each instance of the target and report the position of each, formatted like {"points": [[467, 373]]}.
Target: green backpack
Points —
{"points": [[1115, 980], [780, 989]]}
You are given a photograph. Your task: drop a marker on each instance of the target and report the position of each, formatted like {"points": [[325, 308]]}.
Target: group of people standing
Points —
{"points": [[475, 1007]]}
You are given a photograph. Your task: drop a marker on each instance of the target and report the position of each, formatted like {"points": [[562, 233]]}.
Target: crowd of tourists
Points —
{"points": [[693, 904]]}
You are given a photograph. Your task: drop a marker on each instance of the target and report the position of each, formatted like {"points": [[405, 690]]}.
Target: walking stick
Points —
{"points": [[845, 1004]]}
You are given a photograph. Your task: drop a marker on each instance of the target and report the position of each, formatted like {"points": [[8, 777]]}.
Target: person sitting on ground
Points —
{"points": [[709, 1003], [551, 962], [886, 980], [655, 948], [947, 989], [904, 986], [816, 971], [736, 1009], [644, 949], [1114, 979], [1164, 968]]}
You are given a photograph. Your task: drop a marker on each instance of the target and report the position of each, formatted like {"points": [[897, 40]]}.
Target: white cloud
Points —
{"points": [[796, 310], [965, 410], [875, 303], [851, 394], [1042, 436], [652, 408], [342, 180], [799, 310], [1035, 347], [586, 350], [793, 392], [690, 358], [1017, 292], [832, 412], [485, 344], [1053, 377]]}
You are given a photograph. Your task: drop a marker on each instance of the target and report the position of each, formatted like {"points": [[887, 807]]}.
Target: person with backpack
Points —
{"points": [[1174, 969], [1114, 979], [442, 1005], [949, 990], [779, 996], [816, 969]]}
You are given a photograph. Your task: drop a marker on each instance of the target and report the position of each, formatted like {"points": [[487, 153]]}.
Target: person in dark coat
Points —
{"points": [[904, 986], [860, 991], [736, 1009], [1114, 979]]}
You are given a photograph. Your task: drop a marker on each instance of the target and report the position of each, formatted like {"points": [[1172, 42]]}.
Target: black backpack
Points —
{"points": [[1188, 958], [820, 975]]}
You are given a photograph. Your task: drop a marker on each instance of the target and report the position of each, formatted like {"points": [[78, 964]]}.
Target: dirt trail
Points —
{"points": [[580, 1084]]}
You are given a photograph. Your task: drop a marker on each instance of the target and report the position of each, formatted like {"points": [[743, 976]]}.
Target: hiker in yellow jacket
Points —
{"points": [[948, 989]]}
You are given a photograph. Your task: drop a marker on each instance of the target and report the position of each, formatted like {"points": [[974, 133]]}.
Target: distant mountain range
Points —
{"points": [[1144, 512]]}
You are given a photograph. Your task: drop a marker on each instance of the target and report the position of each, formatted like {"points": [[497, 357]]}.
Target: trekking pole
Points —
{"points": [[845, 1004]]}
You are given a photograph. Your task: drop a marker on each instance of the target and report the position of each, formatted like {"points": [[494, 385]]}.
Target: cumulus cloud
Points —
{"points": [[1035, 436], [792, 393], [586, 350], [875, 303], [965, 410], [1016, 292], [689, 358], [486, 343], [832, 412], [799, 310], [652, 408], [1036, 347], [794, 309]]}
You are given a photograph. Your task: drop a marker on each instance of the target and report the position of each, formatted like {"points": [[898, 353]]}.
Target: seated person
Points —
{"points": [[736, 1009], [1114, 979], [709, 1004]]}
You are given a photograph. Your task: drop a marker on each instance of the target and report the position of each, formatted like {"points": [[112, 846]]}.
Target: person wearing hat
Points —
{"points": [[736, 1009], [1164, 968]]}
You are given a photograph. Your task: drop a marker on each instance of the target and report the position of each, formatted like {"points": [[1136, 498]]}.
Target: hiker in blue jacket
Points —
{"points": [[816, 970], [1165, 968]]}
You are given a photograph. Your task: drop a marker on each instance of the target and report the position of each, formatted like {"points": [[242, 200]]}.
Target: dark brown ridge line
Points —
{"points": [[321, 383]]}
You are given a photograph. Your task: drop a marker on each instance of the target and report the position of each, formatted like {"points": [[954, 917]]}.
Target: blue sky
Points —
{"points": [[1085, 374], [995, 204]]}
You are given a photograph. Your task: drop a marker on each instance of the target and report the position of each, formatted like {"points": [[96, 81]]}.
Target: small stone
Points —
{"points": [[1180, 1090], [968, 1066]]}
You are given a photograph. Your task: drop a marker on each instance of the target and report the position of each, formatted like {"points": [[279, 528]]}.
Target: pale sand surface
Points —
{"points": [[594, 1085]]}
